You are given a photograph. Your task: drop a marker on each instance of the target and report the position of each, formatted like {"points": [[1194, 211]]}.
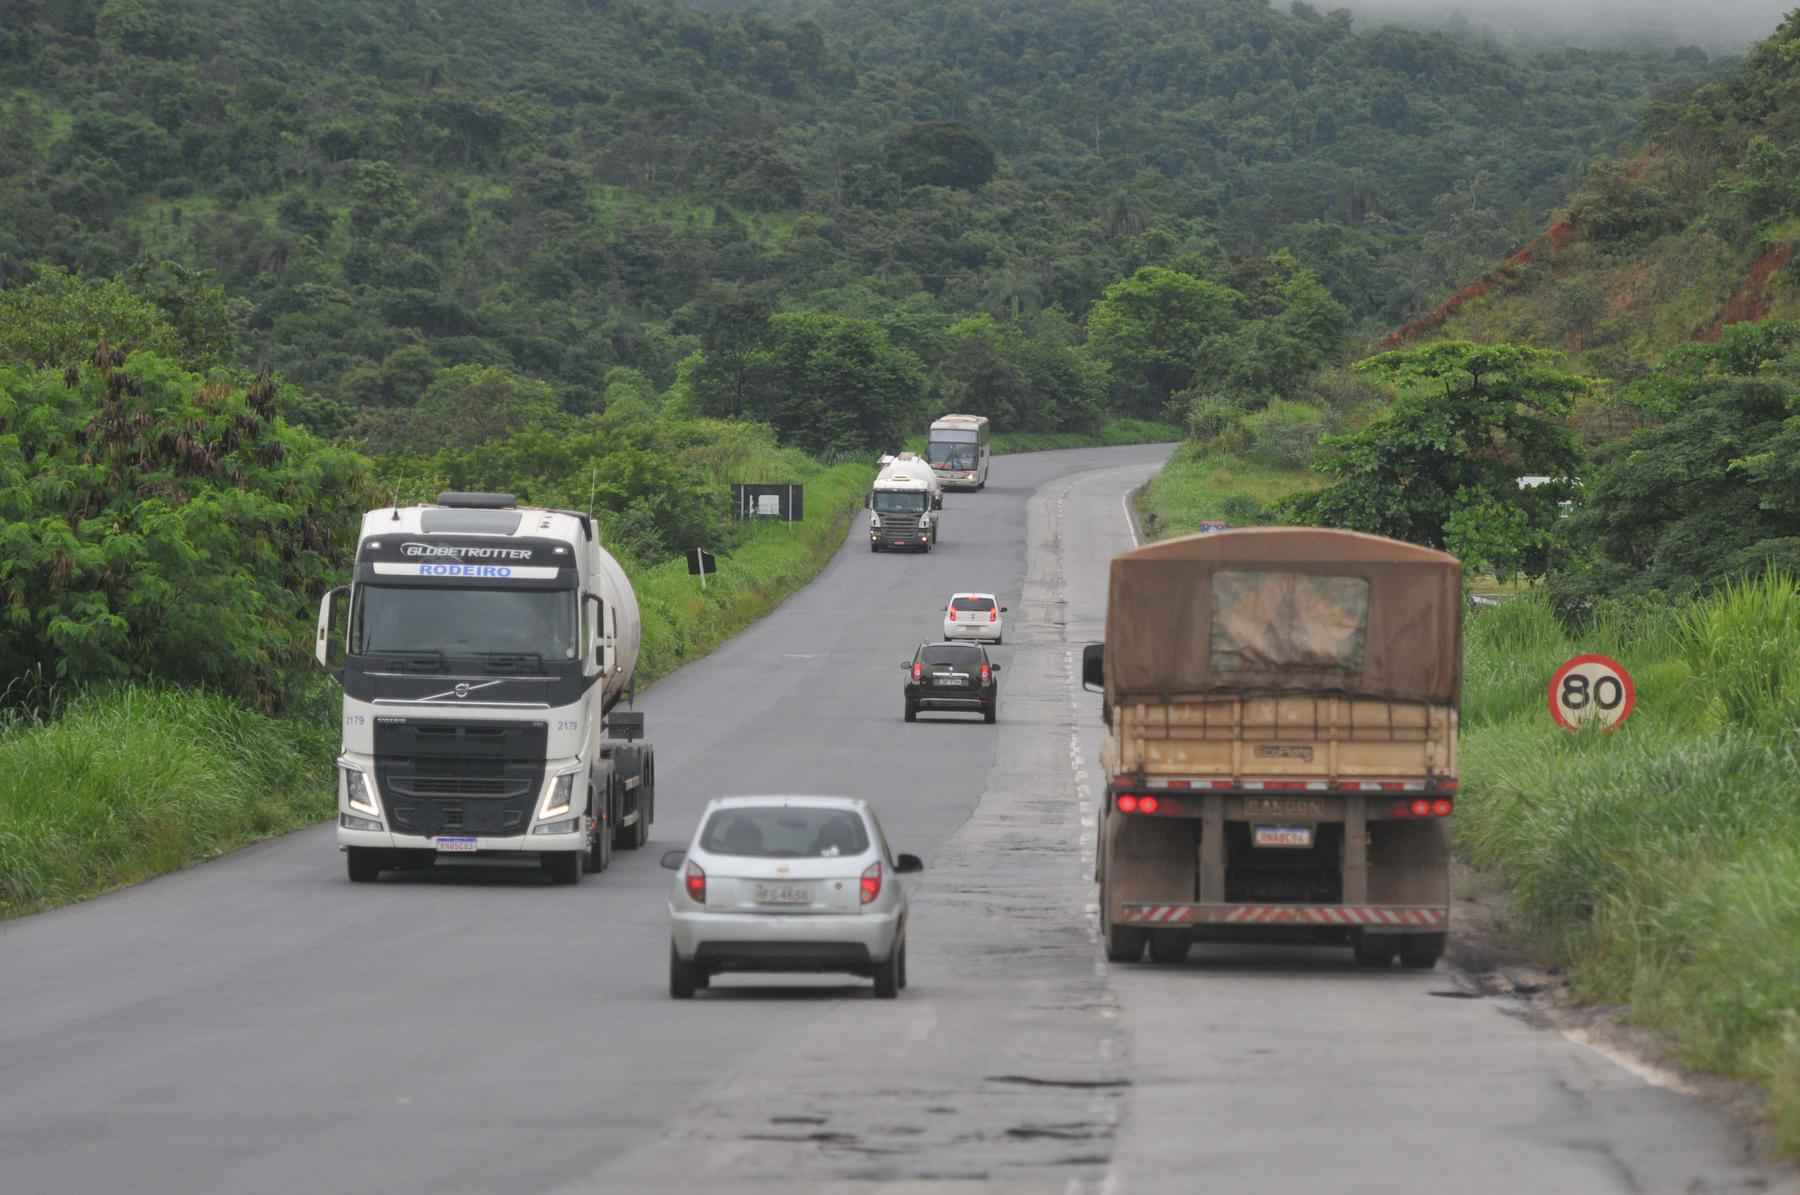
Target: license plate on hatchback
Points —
{"points": [[1300, 837], [455, 846], [783, 894]]}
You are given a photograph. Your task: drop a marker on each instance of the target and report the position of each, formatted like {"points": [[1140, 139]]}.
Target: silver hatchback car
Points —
{"points": [[788, 884]]}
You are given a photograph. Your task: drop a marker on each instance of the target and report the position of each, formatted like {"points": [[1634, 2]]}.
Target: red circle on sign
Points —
{"points": [[1628, 698]]}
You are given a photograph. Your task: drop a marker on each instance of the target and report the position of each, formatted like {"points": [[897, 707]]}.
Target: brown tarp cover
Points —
{"points": [[1284, 609]]}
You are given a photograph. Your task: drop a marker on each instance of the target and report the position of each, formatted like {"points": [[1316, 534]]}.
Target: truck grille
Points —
{"points": [[460, 777]]}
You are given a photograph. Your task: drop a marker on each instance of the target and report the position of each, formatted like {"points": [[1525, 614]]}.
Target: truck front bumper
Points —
{"points": [[512, 844]]}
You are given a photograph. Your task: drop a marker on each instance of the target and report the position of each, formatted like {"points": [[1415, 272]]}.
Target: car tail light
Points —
{"points": [[1127, 803], [1441, 807], [696, 883], [1147, 804], [953, 615], [871, 882], [985, 673], [918, 670], [993, 616]]}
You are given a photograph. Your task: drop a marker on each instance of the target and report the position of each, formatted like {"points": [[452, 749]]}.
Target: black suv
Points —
{"points": [[952, 676]]}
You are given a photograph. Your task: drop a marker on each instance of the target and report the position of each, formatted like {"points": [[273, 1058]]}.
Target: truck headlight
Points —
{"points": [[357, 793], [557, 799]]}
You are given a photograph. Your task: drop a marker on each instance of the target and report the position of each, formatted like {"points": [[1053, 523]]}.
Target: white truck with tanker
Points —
{"points": [[906, 505], [487, 651]]}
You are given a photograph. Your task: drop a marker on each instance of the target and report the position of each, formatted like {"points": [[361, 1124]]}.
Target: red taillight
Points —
{"points": [[871, 882], [953, 616], [696, 883], [1147, 804], [1441, 808], [985, 674], [1127, 803], [1421, 808], [993, 616], [918, 670]]}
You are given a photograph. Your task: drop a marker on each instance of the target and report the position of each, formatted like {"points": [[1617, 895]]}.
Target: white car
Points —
{"points": [[788, 884], [974, 616]]}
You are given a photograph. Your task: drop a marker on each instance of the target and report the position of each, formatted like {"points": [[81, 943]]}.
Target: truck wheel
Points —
{"points": [[912, 712], [682, 977], [1420, 952], [363, 864], [887, 975], [1375, 951], [902, 964], [600, 845], [1169, 946], [563, 867], [1125, 944], [630, 838]]}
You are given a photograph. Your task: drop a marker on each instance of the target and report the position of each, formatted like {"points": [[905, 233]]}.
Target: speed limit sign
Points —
{"points": [[1591, 689]]}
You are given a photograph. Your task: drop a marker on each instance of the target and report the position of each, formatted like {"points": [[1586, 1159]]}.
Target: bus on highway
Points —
{"points": [[959, 449]]}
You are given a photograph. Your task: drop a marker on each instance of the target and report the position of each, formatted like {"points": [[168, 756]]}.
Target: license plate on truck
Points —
{"points": [[783, 894], [1284, 836], [454, 846]]}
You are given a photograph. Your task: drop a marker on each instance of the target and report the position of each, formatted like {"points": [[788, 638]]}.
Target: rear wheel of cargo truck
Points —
{"points": [[1420, 952], [1124, 943], [1375, 951], [1169, 945]]}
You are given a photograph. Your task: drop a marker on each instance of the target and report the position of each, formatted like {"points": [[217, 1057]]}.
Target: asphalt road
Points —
{"points": [[258, 1025]]}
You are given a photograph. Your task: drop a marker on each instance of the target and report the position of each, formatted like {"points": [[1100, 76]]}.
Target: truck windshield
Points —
{"points": [[899, 501], [463, 621], [945, 455]]}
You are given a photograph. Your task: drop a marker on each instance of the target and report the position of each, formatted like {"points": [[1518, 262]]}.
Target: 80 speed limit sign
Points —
{"points": [[1591, 689]]}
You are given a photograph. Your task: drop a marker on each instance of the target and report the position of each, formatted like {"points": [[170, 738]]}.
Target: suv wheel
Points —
{"points": [[912, 711]]}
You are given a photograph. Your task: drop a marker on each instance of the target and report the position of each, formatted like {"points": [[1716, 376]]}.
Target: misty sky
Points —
{"points": [[1720, 25]]}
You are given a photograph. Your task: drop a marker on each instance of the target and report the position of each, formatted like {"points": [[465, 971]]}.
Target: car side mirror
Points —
{"points": [[672, 859], [993, 667], [906, 663], [1093, 667], [1003, 609], [908, 863]]}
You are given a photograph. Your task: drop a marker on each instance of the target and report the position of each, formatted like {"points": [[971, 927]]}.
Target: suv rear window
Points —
{"points": [[951, 653], [784, 832], [972, 603]]}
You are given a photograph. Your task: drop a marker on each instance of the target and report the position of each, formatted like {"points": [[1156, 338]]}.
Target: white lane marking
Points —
{"points": [[1656, 1076], [1130, 523]]}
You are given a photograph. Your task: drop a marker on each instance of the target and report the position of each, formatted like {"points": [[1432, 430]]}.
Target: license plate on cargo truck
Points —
{"points": [[455, 846], [1287, 836]]}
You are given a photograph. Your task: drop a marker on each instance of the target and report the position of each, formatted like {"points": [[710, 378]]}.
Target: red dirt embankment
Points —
{"points": [[1750, 302], [1552, 239]]}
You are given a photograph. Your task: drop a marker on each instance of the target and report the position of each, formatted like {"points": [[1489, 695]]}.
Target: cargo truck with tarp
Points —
{"points": [[1280, 757]]}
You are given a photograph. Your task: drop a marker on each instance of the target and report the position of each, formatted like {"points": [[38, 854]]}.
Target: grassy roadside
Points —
{"points": [[1659, 864], [1197, 485]]}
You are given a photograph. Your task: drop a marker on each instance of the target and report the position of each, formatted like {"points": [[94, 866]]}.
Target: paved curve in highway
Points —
{"points": [[258, 1025]]}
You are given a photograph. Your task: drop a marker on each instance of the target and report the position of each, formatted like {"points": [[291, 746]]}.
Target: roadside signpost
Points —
{"points": [[1591, 688]]}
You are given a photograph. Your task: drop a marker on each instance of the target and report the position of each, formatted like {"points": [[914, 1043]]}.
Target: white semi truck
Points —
{"points": [[487, 650], [906, 504]]}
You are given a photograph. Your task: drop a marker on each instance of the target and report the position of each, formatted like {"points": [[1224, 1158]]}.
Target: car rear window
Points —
{"points": [[956, 654], [972, 603], [784, 832]]}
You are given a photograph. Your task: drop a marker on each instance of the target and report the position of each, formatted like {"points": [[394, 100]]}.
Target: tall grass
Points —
{"points": [[1198, 484], [131, 782], [1660, 862]]}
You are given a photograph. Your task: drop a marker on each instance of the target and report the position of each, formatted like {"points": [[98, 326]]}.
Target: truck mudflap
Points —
{"points": [[1399, 917]]}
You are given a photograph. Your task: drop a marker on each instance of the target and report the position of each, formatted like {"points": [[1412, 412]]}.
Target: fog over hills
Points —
{"points": [[1719, 26]]}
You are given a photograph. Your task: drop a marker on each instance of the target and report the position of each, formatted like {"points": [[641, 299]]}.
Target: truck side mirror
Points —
{"points": [[1093, 667], [327, 607], [937, 502], [599, 635]]}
